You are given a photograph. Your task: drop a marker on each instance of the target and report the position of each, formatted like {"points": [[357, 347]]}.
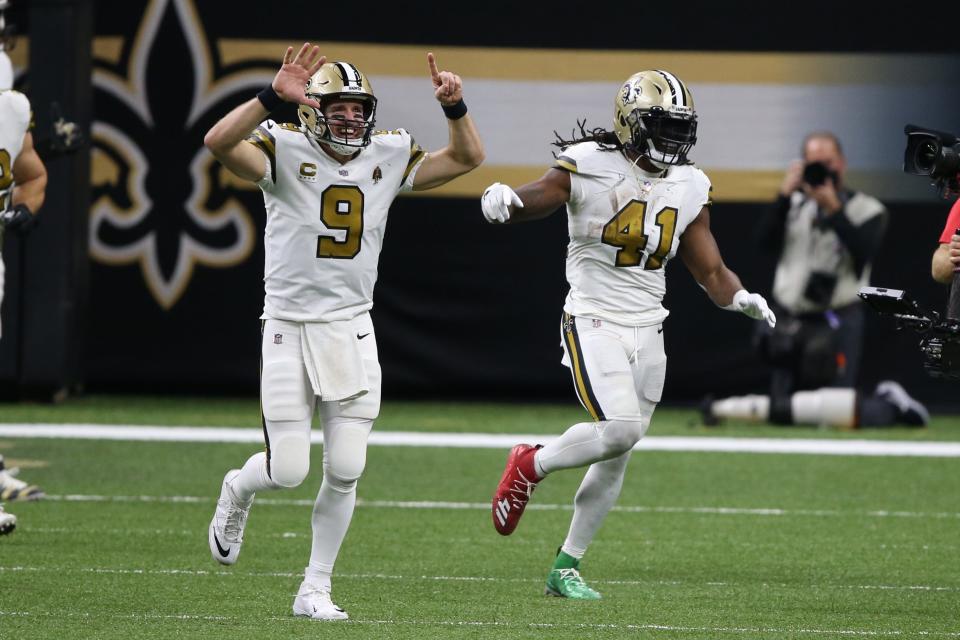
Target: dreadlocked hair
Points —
{"points": [[607, 140]]}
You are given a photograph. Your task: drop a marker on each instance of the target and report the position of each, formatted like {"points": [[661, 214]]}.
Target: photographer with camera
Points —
{"points": [[946, 259], [826, 236]]}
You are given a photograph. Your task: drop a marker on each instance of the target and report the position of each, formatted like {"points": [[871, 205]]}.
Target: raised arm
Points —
{"points": [[698, 250], [225, 140], [532, 201], [464, 150]]}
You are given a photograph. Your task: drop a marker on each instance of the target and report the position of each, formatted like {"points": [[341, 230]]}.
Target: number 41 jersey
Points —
{"points": [[624, 225], [326, 220]]}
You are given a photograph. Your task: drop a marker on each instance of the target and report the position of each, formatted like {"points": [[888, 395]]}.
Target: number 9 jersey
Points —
{"points": [[326, 220], [624, 225]]}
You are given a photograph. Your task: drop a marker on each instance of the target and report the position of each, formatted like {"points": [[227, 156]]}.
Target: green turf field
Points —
{"points": [[704, 545]]}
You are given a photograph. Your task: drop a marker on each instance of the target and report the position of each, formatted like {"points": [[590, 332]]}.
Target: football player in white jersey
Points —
{"points": [[327, 186], [23, 178], [23, 181], [633, 201]]}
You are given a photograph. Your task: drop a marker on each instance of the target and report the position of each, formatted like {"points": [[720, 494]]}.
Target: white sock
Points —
{"points": [[596, 496], [253, 477], [332, 513], [751, 408]]}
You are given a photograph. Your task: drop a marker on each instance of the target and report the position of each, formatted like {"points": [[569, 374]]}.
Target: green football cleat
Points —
{"points": [[568, 583]]}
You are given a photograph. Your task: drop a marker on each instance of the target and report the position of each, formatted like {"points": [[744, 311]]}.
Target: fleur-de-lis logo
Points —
{"points": [[158, 198]]}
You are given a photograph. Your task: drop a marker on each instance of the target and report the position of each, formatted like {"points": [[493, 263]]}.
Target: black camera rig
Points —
{"points": [[940, 339], [935, 154]]}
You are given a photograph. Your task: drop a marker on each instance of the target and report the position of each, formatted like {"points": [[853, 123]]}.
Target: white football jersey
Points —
{"points": [[15, 119], [325, 220], [624, 225]]}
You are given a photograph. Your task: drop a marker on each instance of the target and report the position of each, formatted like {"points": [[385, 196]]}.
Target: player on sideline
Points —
{"points": [[633, 200], [23, 183], [327, 185]]}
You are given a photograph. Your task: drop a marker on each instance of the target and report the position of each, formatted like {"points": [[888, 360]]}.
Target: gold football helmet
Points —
{"points": [[338, 81], [653, 115]]}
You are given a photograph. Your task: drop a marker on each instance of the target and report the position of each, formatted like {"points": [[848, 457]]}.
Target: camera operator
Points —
{"points": [[826, 236], [946, 258]]}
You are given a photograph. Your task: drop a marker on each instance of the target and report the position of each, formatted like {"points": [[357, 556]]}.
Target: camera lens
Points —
{"points": [[815, 174], [926, 155]]}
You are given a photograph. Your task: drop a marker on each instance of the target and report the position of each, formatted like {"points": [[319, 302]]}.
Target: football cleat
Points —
{"points": [[909, 411], [516, 486], [314, 602], [13, 488], [568, 583], [226, 529], [8, 521]]}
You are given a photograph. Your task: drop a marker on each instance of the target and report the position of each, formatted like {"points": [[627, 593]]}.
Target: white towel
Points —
{"points": [[331, 354]]}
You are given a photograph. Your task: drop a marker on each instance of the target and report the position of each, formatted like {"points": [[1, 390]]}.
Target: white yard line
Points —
{"points": [[811, 446], [233, 573], [484, 506]]}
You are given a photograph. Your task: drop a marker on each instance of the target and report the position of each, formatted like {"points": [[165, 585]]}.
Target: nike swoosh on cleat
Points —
{"points": [[223, 552], [361, 337]]}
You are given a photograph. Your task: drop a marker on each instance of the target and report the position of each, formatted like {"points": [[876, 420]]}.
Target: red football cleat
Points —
{"points": [[516, 486]]}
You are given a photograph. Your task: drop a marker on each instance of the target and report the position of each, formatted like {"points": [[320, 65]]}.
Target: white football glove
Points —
{"points": [[754, 306], [496, 202]]}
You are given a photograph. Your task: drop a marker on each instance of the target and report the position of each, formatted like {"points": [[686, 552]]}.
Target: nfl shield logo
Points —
{"points": [[278, 338]]}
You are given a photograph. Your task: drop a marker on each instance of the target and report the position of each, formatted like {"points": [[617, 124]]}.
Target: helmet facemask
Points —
{"points": [[322, 128], [664, 138]]}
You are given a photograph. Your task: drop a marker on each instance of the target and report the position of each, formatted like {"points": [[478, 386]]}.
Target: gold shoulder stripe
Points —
{"points": [[566, 163], [264, 140], [416, 153]]}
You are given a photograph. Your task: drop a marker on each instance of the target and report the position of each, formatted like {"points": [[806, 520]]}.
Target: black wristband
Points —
{"points": [[269, 98], [454, 111]]}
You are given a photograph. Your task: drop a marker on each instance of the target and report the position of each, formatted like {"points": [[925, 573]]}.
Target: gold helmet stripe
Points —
{"points": [[676, 87]]}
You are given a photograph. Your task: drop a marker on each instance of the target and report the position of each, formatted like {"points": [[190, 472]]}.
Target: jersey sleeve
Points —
{"points": [[575, 160], [953, 223], [415, 155], [264, 138], [703, 190], [22, 113]]}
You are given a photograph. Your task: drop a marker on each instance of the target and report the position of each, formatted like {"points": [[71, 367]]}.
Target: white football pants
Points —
{"points": [[618, 373], [288, 404]]}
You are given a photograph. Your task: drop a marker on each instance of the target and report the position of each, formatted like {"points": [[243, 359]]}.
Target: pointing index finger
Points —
{"points": [[434, 71]]}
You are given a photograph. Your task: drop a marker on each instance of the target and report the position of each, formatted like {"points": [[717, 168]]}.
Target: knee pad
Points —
{"points": [[345, 455], [621, 434], [289, 458]]}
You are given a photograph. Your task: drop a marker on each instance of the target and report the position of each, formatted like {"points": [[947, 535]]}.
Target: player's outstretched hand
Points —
{"points": [[496, 202], [447, 86], [754, 306], [291, 80]]}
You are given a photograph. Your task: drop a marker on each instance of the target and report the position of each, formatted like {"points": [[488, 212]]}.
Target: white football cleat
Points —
{"points": [[8, 521], [13, 488], [226, 529], [314, 602]]}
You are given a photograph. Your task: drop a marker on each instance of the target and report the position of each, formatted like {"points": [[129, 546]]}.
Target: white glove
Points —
{"points": [[754, 306], [496, 202]]}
